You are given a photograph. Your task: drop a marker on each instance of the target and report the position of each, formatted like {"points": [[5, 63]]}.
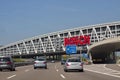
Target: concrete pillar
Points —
{"points": [[90, 56], [49, 57], [56, 57], [53, 57]]}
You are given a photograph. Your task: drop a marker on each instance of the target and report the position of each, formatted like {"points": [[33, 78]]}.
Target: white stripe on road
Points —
{"points": [[114, 71], [118, 64], [56, 68], [11, 77], [108, 68], [103, 73], [27, 70], [62, 76]]}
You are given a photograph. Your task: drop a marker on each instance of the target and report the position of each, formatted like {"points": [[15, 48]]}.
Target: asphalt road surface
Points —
{"points": [[55, 72]]}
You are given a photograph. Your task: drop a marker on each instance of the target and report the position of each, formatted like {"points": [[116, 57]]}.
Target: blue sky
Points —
{"points": [[21, 19]]}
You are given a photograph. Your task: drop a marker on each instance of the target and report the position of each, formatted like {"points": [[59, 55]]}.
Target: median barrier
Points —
{"points": [[17, 64]]}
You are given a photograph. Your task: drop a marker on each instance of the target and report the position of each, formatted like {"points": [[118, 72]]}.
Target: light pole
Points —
{"points": [[80, 48]]}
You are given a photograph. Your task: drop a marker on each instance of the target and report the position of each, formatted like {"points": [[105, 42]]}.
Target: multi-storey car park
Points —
{"points": [[53, 43]]}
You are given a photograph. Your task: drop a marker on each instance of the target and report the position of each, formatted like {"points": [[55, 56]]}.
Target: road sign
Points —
{"points": [[71, 49], [85, 55]]}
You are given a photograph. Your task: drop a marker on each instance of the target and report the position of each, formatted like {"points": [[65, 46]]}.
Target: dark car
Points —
{"points": [[6, 62], [63, 61]]}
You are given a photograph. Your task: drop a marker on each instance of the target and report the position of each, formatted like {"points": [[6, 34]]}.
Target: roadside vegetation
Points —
{"points": [[18, 60]]}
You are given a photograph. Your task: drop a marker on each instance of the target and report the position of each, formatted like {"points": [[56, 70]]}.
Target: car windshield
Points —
{"points": [[74, 60], [40, 59], [5, 59]]}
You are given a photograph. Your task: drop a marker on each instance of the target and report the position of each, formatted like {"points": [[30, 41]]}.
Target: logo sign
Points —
{"points": [[71, 49], [78, 40]]}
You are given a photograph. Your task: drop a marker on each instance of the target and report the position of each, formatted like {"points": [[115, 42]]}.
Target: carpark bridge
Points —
{"points": [[104, 41]]}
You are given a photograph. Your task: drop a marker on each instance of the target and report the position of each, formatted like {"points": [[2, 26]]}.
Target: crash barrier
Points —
{"points": [[17, 64]]}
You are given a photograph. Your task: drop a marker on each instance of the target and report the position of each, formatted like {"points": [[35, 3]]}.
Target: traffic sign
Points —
{"points": [[85, 55], [71, 49]]}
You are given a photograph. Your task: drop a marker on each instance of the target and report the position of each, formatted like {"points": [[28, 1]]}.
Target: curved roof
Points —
{"points": [[52, 42], [63, 31]]}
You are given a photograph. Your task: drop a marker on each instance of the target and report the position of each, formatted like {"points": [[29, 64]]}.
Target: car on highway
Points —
{"points": [[73, 64], [63, 61], [40, 63], [52, 61], [6, 62]]}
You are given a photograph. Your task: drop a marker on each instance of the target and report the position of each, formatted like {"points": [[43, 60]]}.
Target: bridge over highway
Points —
{"points": [[105, 49], [53, 43]]}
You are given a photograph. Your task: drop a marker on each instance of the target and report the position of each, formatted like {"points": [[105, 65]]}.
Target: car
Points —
{"points": [[63, 61], [52, 61], [6, 62], [73, 64], [40, 63]]}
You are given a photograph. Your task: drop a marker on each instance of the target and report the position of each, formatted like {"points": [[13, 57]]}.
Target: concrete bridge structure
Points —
{"points": [[104, 39], [105, 49]]}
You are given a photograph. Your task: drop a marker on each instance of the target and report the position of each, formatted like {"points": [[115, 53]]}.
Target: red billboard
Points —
{"points": [[77, 40]]}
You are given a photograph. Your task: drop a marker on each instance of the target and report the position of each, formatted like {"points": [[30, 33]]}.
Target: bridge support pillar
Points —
{"points": [[90, 56], [53, 57]]}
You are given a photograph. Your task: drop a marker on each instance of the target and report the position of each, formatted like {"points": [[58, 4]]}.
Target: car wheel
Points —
{"points": [[46, 67], [34, 67], [11, 69], [65, 70], [81, 70], [14, 69], [0, 69]]}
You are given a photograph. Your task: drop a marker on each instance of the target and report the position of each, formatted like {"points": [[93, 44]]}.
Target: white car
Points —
{"points": [[73, 64], [40, 63]]}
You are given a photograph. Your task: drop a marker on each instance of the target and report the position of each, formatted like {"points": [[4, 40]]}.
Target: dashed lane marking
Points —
{"points": [[62, 76], [113, 71], [27, 70], [56, 68], [103, 73], [118, 64], [11, 77]]}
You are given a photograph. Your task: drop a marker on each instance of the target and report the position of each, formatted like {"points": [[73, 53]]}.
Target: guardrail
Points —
{"points": [[17, 64]]}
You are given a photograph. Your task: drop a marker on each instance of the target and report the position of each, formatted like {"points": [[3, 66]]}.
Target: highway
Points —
{"points": [[55, 72]]}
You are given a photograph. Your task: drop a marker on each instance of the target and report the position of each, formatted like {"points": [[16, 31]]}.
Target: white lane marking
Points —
{"points": [[103, 73], [118, 64], [62, 76], [56, 68], [114, 71], [107, 68], [27, 70], [11, 77]]}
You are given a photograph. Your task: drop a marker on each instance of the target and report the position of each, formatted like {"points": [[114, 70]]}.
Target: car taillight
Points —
{"points": [[34, 62], [44, 62], [9, 62], [81, 64], [67, 64]]}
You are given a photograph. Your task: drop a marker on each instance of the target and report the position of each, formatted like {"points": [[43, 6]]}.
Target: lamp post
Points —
{"points": [[81, 53], [80, 48]]}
